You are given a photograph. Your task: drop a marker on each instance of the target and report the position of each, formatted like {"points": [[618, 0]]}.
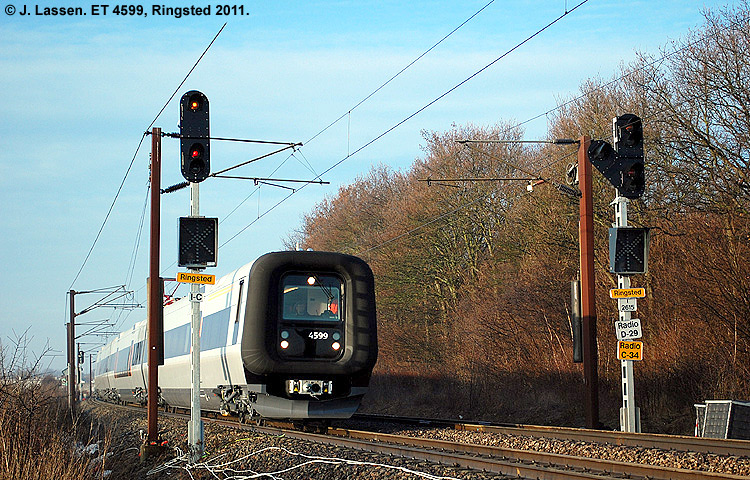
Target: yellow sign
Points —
{"points": [[627, 350], [196, 278], [627, 293]]}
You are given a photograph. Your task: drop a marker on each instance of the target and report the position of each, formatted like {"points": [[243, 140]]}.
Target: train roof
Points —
{"points": [[221, 282]]}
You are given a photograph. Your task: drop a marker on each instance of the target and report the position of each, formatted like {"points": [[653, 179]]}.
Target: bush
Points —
{"points": [[40, 438]]}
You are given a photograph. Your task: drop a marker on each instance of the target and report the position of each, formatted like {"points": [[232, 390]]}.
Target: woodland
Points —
{"points": [[473, 277]]}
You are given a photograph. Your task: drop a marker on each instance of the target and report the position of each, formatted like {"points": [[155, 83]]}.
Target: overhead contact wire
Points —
{"points": [[383, 134], [349, 112], [132, 161]]}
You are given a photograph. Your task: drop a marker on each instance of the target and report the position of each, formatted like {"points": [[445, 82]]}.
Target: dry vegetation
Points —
{"points": [[473, 278], [38, 436]]}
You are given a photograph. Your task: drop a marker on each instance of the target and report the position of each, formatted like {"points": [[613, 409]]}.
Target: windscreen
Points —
{"points": [[311, 297]]}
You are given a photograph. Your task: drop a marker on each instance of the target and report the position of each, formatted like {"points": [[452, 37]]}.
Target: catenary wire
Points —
{"points": [[662, 58], [417, 112], [621, 77], [349, 112], [132, 161]]}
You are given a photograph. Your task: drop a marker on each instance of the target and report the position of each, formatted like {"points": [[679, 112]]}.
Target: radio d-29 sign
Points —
{"points": [[628, 329]]}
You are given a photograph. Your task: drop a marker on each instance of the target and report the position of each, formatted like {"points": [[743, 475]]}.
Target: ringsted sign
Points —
{"points": [[627, 293], [196, 278]]}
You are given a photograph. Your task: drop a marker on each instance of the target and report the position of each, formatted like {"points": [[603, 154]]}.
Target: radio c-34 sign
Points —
{"points": [[629, 350]]}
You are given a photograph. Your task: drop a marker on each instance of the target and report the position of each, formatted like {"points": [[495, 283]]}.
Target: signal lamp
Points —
{"points": [[628, 250], [198, 242], [194, 137]]}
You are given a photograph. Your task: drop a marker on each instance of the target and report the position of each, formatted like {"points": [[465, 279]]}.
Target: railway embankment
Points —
{"points": [[244, 453]]}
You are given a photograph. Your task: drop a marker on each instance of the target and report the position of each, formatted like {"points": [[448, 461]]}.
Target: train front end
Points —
{"points": [[310, 338]]}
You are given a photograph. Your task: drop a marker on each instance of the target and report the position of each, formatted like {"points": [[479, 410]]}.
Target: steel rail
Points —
{"points": [[519, 463], [376, 444], [647, 440], [551, 461]]}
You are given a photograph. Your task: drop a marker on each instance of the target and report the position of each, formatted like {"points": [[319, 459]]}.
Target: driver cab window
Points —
{"points": [[311, 297]]}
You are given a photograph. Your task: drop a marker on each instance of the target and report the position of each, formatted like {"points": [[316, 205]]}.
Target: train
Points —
{"points": [[291, 335]]}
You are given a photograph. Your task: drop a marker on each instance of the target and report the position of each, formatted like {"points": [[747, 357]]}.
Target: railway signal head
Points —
{"points": [[628, 134], [194, 137]]}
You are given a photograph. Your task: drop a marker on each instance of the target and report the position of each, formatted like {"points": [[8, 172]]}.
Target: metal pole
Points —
{"points": [[155, 300], [588, 299], [91, 371], [628, 418], [79, 392], [195, 432], [71, 355]]}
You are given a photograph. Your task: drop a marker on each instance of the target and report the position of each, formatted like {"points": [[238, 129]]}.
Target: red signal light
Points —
{"points": [[195, 102], [194, 137]]}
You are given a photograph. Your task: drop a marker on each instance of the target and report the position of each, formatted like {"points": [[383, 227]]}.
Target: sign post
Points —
{"points": [[629, 414], [195, 432], [195, 139], [623, 166]]}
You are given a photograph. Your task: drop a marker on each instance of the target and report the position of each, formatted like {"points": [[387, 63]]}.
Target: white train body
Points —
{"points": [[247, 363]]}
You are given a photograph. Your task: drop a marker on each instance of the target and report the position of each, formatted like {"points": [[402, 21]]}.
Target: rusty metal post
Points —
{"points": [[588, 299], [155, 300], [72, 355]]}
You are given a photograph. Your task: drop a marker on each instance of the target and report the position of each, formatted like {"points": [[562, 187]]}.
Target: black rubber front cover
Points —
{"points": [[262, 312]]}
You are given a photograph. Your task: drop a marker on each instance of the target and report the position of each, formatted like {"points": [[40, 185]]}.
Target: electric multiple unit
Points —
{"points": [[292, 336]]}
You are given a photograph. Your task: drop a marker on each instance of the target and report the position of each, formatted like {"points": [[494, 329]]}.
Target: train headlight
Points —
{"points": [[309, 387], [336, 346], [284, 344]]}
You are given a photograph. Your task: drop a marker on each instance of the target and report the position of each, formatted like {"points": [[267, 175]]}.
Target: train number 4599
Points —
{"points": [[317, 335]]}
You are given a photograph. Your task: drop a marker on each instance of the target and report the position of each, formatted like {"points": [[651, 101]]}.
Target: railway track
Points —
{"points": [[483, 458], [519, 463], [645, 440]]}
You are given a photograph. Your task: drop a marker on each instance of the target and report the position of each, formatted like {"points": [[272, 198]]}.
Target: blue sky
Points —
{"points": [[80, 91]]}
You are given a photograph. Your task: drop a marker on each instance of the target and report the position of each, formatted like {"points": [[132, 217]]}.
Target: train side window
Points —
{"points": [[177, 341], [214, 330], [311, 297]]}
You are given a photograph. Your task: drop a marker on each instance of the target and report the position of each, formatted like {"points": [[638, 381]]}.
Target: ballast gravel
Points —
{"points": [[234, 453]]}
